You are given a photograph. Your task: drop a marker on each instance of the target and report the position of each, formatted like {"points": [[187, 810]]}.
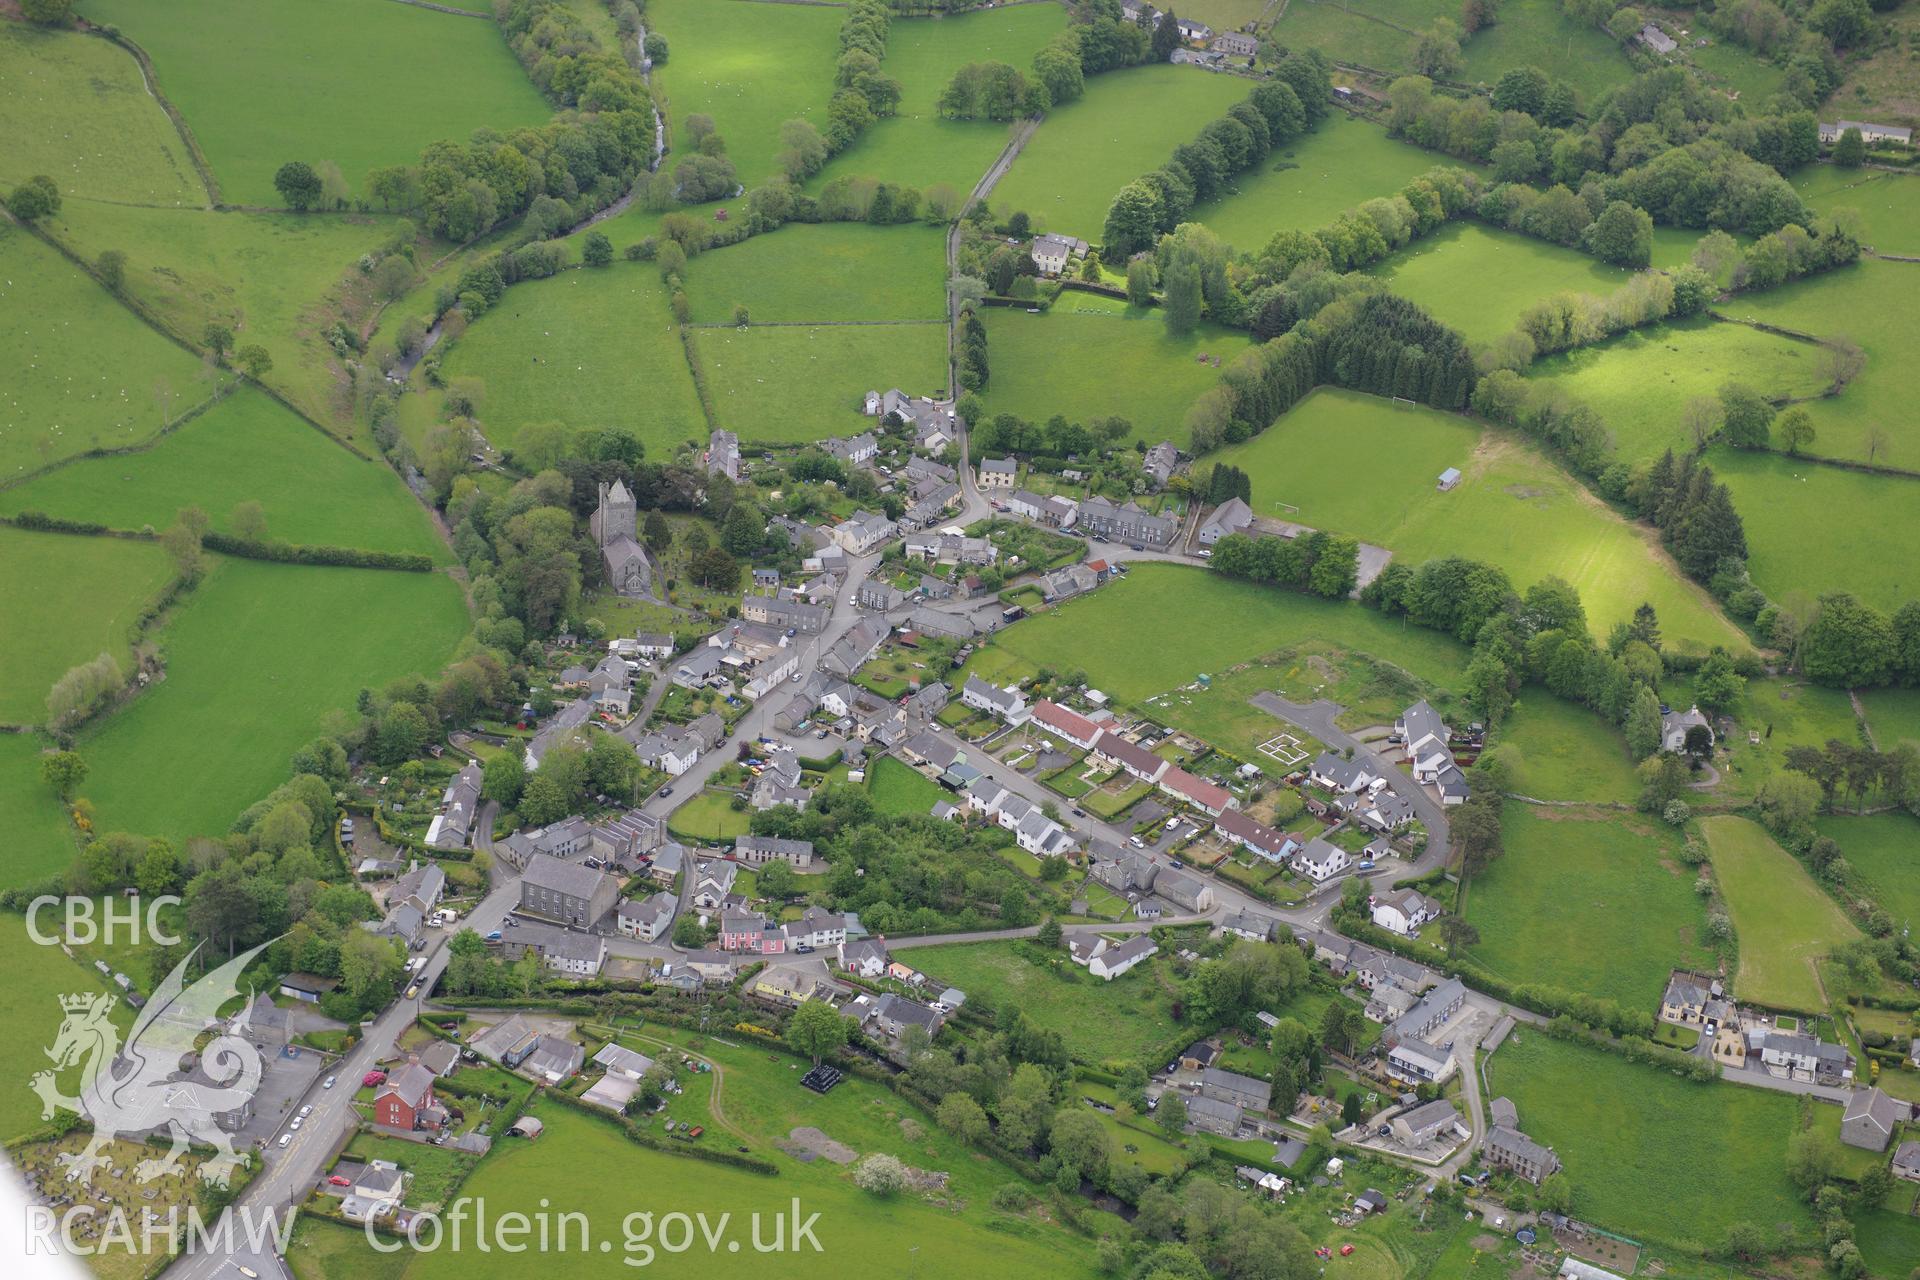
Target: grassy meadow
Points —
{"points": [[1154, 608], [1560, 751], [1589, 900], [262, 82], [76, 109], [805, 382], [1876, 305], [749, 66], [1091, 357], [1885, 849], [256, 658], [41, 842], [1893, 715], [915, 146], [1640, 382], [1651, 1155], [1479, 279], [899, 790], [1537, 33], [1126, 124], [590, 348], [82, 372], [1888, 203], [824, 272], [1784, 921], [1814, 529], [1343, 163], [1514, 508], [270, 277], [37, 977], [245, 448], [101, 586], [1366, 33]]}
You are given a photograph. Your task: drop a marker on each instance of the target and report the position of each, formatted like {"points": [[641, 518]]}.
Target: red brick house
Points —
{"points": [[406, 1101]]}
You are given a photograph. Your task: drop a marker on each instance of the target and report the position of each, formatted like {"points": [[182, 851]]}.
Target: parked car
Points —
{"points": [[306, 1111], [1365, 864], [1346, 1250], [1137, 842], [295, 1126], [285, 1138], [336, 1180]]}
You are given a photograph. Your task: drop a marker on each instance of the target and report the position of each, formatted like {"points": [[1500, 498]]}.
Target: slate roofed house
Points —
{"points": [[1184, 891], [1802, 1058], [1237, 44], [723, 454], [1508, 1148], [1432, 1012], [891, 1015], [1871, 1118], [566, 892], [1869, 133], [1242, 1091], [1404, 911], [404, 1097], [1116, 960], [866, 957], [1417, 1060], [647, 920], [1053, 253], [1132, 757], [422, 885], [1657, 40], [862, 532], [1007, 704], [1160, 461], [1906, 1162], [1248, 924], [1257, 837], [713, 882], [1126, 522], [777, 611], [1430, 1122], [452, 827], [1674, 726], [1067, 582], [1685, 1001], [1214, 1116], [854, 449], [1064, 723], [1338, 774], [1452, 784], [1231, 516], [1321, 860], [757, 851]]}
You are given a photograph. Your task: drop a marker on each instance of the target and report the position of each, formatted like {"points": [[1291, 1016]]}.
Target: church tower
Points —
{"points": [[617, 516]]}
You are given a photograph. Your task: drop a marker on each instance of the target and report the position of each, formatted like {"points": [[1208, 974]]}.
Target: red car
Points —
{"points": [[1346, 1250], [337, 1181], [373, 1078]]}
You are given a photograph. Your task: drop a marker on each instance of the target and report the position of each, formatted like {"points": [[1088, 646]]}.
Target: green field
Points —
{"points": [[1814, 529], [76, 110], [1588, 900], [245, 448], [37, 977], [262, 82], [1092, 356], [73, 598], [749, 66], [40, 842], [1888, 203], [901, 791], [1127, 123], [915, 146], [1343, 163], [82, 372], [1875, 304], [1479, 280], [1537, 33], [1783, 920], [1154, 608], [1365, 33], [271, 277], [1125, 1018], [1640, 382], [1885, 850], [793, 384], [1560, 751], [590, 348], [1648, 1154], [1889, 1238], [256, 658], [1514, 508], [1894, 715], [825, 272], [710, 816]]}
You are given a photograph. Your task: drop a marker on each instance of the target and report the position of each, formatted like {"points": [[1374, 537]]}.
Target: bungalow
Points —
{"points": [[1321, 860], [1258, 838], [1208, 797], [998, 473], [890, 1015], [1116, 960], [1199, 1055], [1112, 749], [1405, 911], [1067, 582], [1242, 1091], [1434, 1121], [1871, 1118], [787, 984], [1231, 516], [1067, 725]]}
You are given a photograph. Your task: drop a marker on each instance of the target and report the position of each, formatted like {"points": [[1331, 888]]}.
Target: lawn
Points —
{"points": [[793, 384], [749, 66], [262, 82], [1122, 1019], [885, 1234], [1478, 279], [1888, 203], [323, 1250], [833, 271], [710, 816], [898, 790], [1095, 357], [589, 348], [1889, 1238], [256, 658], [1126, 124], [76, 110], [1537, 33], [246, 448], [1783, 920], [42, 842], [275, 279], [1514, 508], [915, 146], [37, 977], [1885, 850], [82, 372], [1560, 751], [1648, 1154], [1640, 382], [72, 598], [1154, 607], [1875, 304], [1814, 529], [1588, 900]]}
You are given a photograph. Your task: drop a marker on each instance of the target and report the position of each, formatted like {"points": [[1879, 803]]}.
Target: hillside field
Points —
{"points": [[836, 271], [1784, 921], [792, 384]]}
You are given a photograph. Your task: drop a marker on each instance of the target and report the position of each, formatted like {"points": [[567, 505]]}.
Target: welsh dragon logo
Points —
{"points": [[141, 1087]]}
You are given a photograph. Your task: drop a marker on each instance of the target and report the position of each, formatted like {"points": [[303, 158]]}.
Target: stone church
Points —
{"points": [[629, 572]]}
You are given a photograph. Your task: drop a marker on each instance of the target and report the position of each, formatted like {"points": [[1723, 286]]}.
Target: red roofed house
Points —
{"points": [[1196, 791], [1263, 840], [1062, 723], [1132, 757]]}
